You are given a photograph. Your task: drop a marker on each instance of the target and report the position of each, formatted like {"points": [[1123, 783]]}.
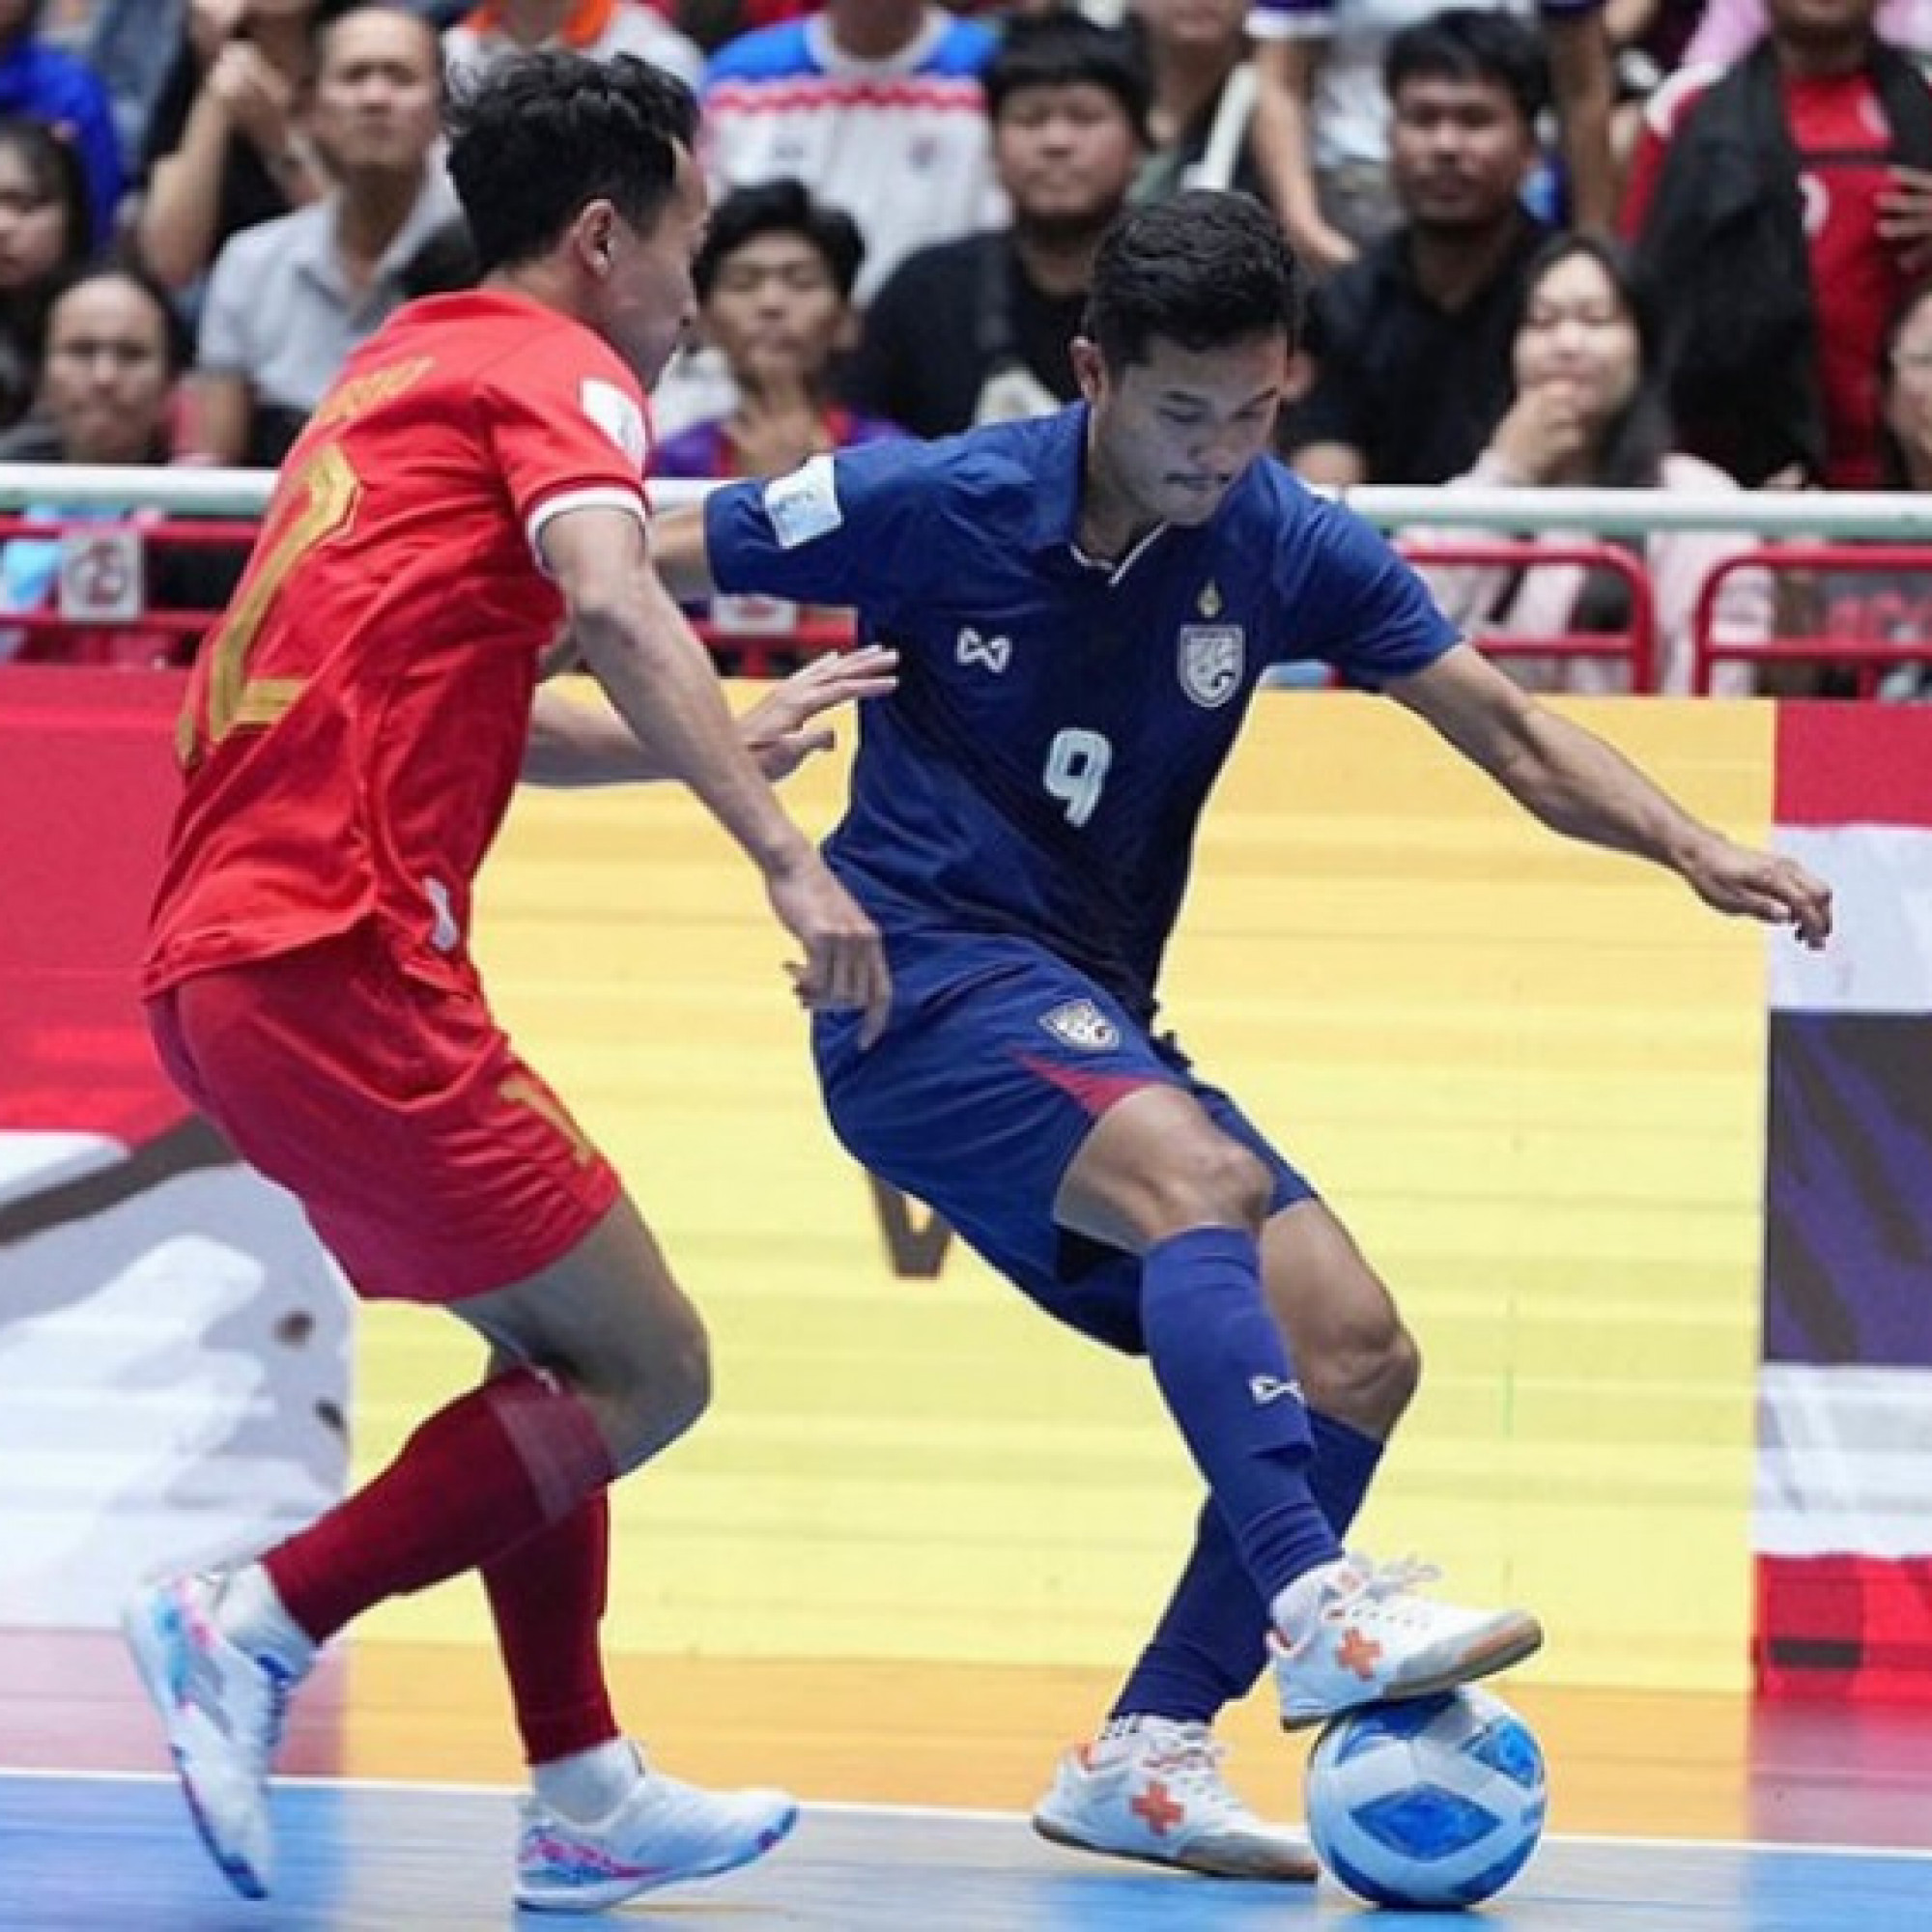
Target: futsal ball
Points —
{"points": [[1435, 1802]]}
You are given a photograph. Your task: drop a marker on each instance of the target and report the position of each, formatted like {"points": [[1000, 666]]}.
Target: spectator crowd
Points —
{"points": [[1669, 244]]}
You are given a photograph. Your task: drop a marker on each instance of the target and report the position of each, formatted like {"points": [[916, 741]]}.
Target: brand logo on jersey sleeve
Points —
{"points": [[994, 653], [1081, 1023], [1212, 660], [804, 504], [618, 416]]}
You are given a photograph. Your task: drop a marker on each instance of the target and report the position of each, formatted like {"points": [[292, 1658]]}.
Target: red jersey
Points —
{"points": [[1844, 151], [354, 728]]}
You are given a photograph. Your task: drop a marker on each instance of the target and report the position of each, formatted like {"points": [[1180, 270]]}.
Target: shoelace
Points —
{"points": [[1191, 1766], [1387, 1590]]}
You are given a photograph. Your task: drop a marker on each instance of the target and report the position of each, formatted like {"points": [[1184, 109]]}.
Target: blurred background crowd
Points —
{"points": [[1673, 245]]}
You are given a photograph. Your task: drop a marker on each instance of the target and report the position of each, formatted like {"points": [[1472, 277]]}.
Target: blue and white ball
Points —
{"points": [[1436, 1802]]}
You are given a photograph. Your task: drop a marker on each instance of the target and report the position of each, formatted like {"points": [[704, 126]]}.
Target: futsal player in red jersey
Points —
{"points": [[351, 740]]}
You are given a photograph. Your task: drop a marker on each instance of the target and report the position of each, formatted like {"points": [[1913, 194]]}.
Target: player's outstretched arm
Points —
{"points": [[575, 745], [635, 643], [1579, 786]]}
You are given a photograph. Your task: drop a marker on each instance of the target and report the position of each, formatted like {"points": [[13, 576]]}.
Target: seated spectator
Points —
{"points": [[43, 239], [1726, 31], [1411, 344], [1324, 135], [290, 299], [599, 28], [1888, 606], [50, 84], [976, 330], [1203, 86], [115, 350], [775, 280], [876, 106], [1782, 210], [226, 145], [1589, 413]]}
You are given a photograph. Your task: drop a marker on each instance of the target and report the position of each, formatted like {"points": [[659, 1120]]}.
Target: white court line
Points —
{"points": [[944, 1813]]}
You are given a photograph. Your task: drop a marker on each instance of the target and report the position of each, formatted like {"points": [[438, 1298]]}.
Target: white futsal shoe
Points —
{"points": [[1355, 1632], [662, 1832], [1152, 1789], [222, 1710]]}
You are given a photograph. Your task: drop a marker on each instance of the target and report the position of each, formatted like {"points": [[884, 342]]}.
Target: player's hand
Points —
{"points": [[844, 968], [1766, 886], [774, 728]]}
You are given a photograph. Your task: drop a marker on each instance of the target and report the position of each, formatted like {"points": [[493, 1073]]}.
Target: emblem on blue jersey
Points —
{"points": [[1211, 657], [974, 649], [804, 504], [1081, 1023]]}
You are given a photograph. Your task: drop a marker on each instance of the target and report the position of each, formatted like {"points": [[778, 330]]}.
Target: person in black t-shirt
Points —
{"points": [[1411, 342], [977, 331]]}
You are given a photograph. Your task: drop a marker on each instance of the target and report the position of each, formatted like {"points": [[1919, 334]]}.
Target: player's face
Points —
{"points": [[1576, 329], [1172, 433], [646, 300], [1064, 155], [775, 309], [1459, 150], [106, 382]]}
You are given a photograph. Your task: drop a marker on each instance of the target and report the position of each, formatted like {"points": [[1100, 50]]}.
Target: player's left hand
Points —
{"points": [[1766, 886], [774, 729]]}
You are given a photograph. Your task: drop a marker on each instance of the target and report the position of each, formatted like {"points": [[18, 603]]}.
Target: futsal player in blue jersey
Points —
{"points": [[1083, 606]]}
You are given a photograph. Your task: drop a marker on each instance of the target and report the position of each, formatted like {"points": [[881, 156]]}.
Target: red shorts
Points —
{"points": [[434, 1164]]}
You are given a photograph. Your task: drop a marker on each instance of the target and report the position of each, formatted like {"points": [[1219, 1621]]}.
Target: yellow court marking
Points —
{"points": [[1529, 1076]]}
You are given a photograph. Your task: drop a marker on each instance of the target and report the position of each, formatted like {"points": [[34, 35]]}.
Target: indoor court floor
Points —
{"points": [[1669, 1813]]}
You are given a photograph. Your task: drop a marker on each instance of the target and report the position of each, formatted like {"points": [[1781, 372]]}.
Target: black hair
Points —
{"points": [[1895, 466], [177, 339], [59, 176], [783, 207], [331, 13], [1202, 269], [1640, 434], [536, 138], [1472, 44], [1063, 49]]}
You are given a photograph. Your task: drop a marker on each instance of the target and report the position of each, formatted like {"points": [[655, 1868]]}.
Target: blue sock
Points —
{"points": [[1212, 1643], [1224, 1373]]}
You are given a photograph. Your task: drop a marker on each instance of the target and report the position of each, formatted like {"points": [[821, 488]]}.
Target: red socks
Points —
{"points": [[495, 1468], [548, 1597]]}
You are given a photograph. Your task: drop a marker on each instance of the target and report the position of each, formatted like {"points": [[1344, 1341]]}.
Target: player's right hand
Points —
{"points": [[844, 967]]}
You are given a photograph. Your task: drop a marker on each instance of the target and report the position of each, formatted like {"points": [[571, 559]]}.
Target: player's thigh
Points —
{"points": [[1350, 1349], [997, 1065]]}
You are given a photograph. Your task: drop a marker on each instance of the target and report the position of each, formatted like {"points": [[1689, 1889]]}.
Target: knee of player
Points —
{"points": [[1367, 1373], [1217, 1181], [663, 1396]]}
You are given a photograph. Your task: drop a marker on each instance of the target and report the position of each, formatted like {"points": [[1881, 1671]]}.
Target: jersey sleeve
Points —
{"points": [[1357, 606], [568, 431], [841, 530]]}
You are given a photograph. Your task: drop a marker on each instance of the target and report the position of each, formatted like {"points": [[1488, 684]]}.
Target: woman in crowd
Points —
{"points": [[114, 353], [1589, 413], [45, 237]]}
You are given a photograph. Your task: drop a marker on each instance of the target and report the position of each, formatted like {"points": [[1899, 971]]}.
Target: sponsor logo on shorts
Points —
{"points": [[1081, 1023]]}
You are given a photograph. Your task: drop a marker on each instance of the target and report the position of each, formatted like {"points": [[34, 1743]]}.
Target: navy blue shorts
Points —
{"points": [[998, 1060]]}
